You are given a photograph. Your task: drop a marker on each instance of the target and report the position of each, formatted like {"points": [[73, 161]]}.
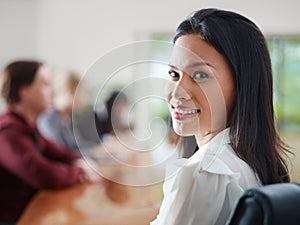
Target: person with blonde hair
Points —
{"points": [[56, 124]]}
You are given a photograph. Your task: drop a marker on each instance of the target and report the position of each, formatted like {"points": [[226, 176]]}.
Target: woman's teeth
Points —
{"points": [[186, 112]]}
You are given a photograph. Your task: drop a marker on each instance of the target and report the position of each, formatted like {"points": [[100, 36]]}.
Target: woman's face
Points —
{"points": [[201, 91]]}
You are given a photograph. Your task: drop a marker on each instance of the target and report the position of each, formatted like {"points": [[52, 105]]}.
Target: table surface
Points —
{"points": [[106, 203], [92, 204]]}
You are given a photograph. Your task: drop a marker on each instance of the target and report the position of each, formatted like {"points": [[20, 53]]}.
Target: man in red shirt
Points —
{"points": [[28, 161]]}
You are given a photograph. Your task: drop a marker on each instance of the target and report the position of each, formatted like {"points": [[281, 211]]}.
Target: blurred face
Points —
{"points": [[38, 95], [201, 91]]}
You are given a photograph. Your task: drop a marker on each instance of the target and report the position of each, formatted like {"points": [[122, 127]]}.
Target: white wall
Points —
{"points": [[18, 30], [73, 33]]}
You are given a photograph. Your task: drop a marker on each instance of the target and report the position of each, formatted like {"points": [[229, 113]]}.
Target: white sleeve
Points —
{"points": [[207, 199], [200, 197]]}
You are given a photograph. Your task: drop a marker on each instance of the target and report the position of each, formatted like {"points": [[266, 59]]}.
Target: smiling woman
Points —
{"points": [[204, 88], [220, 91]]}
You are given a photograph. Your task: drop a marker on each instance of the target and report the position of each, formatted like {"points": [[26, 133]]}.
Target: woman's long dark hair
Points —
{"points": [[253, 134]]}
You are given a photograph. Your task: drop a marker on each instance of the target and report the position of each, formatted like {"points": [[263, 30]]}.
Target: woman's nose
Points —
{"points": [[181, 89]]}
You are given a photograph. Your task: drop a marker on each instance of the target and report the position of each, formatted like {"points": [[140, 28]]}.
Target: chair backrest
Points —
{"points": [[275, 204]]}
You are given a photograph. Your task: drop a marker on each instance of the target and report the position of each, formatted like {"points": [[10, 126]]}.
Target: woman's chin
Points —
{"points": [[183, 132]]}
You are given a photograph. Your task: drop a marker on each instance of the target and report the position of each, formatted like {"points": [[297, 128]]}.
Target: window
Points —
{"points": [[285, 56]]}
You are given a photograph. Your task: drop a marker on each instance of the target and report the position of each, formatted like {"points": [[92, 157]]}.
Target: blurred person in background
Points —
{"points": [[56, 124], [28, 161], [113, 117]]}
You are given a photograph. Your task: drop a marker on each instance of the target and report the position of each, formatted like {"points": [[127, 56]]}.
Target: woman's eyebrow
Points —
{"points": [[172, 66], [192, 65]]}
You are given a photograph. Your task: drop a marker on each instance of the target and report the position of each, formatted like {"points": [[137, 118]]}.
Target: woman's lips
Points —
{"points": [[183, 113]]}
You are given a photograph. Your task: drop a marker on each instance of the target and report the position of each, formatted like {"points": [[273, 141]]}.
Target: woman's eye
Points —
{"points": [[173, 74], [200, 75]]}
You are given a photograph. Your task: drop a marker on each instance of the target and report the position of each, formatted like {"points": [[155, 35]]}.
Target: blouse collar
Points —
{"points": [[214, 146]]}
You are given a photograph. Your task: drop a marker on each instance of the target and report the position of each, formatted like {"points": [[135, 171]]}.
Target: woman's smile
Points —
{"points": [[183, 113]]}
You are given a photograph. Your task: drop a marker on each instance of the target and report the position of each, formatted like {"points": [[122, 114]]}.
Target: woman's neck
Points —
{"points": [[204, 138]]}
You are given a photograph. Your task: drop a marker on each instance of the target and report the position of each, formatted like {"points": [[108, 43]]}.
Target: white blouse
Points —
{"points": [[203, 189]]}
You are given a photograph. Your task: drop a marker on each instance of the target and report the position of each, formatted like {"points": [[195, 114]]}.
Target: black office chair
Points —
{"points": [[276, 204]]}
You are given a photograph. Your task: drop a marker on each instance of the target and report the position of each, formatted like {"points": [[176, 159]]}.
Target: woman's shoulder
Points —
{"points": [[212, 161], [225, 162], [202, 161], [218, 157]]}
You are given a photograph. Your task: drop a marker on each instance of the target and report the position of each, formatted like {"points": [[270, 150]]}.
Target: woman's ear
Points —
{"points": [[23, 93]]}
